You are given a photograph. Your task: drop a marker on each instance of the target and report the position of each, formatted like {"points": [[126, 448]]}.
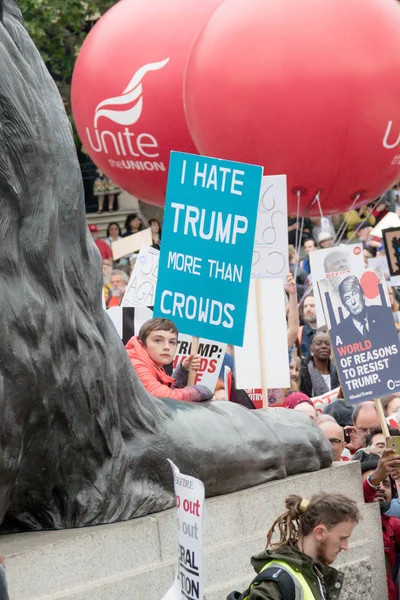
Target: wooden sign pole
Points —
{"points": [[194, 351], [261, 342], [382, 418]]}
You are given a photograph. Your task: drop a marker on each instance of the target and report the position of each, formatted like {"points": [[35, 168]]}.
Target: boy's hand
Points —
{"points": [[192, 362]]}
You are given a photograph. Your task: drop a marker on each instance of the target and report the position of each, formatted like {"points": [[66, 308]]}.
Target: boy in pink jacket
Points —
{"points": [[155, 347]]}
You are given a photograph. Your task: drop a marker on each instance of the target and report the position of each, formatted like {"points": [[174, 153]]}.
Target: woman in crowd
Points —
{"points": [[156, 231], [319, 374], [294, 369], [114, 233], [133, 224], [152, 350]]}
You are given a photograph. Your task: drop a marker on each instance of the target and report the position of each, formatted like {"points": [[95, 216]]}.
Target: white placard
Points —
{"points": [[274, 327], [321, 401], [131, 243], [190, 504], [270, 256], [391, 219], [212, 356], [331, 262], [141, 288]]}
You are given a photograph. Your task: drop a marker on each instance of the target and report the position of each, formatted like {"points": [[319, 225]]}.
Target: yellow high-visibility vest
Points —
{"points": [[303, 590]]}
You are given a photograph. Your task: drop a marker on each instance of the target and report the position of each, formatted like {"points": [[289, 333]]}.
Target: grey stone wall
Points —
{"points": [[135, 560]]}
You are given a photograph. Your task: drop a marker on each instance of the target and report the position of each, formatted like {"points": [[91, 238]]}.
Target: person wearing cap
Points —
{"points": [[311, 536], [379, 475], [323, 224], [302, 403], [325, 239], [363, 231], [104, 248], [340, 411]]}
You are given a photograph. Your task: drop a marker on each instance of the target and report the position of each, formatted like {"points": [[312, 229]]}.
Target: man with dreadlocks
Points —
{"points": [[312, 534]]}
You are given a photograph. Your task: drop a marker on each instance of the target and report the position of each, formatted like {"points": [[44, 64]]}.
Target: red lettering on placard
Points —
{"points": [[212, 365], [192, 507], [255, 396], [203, 364], [356, 347]]}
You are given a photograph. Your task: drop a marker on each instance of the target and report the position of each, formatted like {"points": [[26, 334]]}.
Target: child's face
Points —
{"points": [[161, 346]]}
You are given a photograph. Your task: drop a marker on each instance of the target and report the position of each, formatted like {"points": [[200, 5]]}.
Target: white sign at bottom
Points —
{"points": [[189, 580]]}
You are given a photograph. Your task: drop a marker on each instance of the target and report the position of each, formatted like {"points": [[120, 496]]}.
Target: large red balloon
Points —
{"points": [[127, 85], [310, 88]]}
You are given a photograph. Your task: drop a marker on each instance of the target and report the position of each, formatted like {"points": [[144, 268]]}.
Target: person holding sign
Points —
{"points": [[312, 535], [155, 347]]}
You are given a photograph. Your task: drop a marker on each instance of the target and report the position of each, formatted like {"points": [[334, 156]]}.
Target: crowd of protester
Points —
{"points": [[353, 432], [116, 273], [312, 368]]}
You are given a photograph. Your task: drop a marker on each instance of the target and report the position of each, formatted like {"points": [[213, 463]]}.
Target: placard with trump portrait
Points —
{"points": [[363, 334], [331, 262]]}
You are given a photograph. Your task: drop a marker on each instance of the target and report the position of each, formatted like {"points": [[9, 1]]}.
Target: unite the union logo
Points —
{"points": [[122, 143], [133, 93]]}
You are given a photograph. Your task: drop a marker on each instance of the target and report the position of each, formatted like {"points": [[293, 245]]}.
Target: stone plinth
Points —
{"points": [[135, 560]]}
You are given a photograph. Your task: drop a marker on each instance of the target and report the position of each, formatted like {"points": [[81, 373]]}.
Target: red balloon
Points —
{"points": [[304, 87], [127, 85]]}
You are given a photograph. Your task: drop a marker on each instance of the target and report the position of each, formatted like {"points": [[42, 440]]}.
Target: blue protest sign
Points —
{"points": [[207, 246]]}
